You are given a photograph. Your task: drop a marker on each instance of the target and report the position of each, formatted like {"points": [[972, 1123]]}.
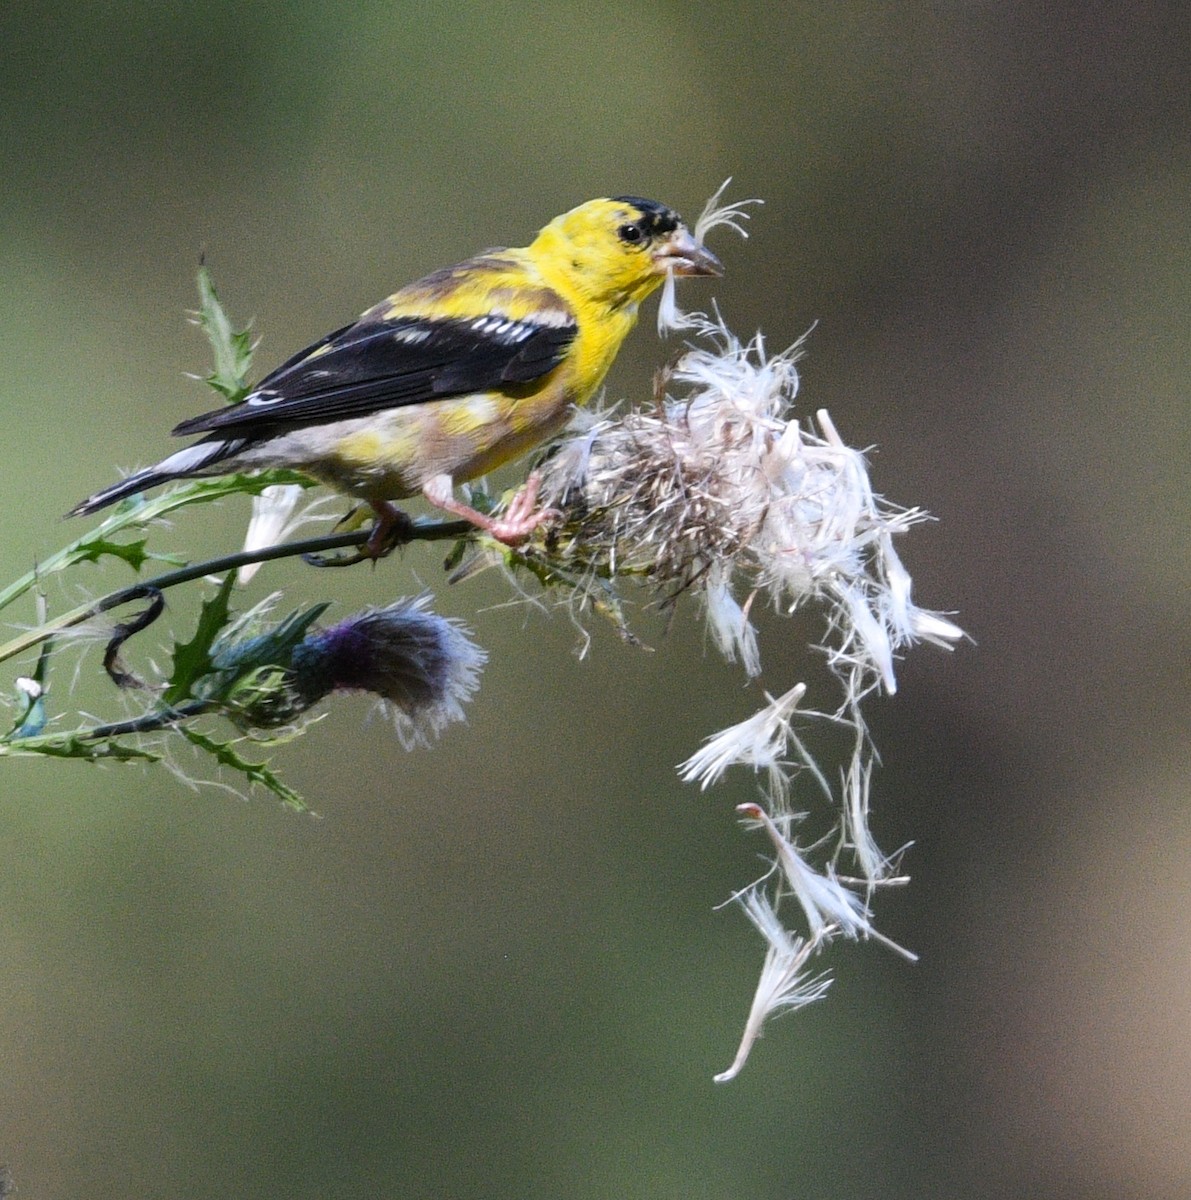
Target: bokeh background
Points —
{"points": [[494, 969]]}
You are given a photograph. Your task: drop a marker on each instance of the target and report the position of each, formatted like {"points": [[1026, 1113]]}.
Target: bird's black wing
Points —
{"points": [[378, 364]]}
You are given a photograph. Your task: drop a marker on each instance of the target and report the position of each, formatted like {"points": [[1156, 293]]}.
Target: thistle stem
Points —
{"points": [[145, 724], [421, 529]]}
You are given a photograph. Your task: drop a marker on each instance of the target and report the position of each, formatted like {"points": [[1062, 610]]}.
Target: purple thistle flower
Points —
{"points": [[423, 667]]}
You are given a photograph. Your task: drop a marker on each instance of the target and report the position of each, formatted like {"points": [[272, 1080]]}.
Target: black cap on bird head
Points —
{"points": [[655, 218]]}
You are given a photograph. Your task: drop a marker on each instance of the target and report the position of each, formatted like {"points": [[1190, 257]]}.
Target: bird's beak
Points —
{"points": [[683, 255]]}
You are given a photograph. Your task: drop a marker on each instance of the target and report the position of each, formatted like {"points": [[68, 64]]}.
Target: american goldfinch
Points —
{"points": [[453, 375]]}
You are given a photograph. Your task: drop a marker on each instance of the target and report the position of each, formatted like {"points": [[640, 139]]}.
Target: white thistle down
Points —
{"points": [[727, 621], [720, 490], [857, 785], [827, 904], [714, 215], [830, 909], [761, 742], [784, 985]]}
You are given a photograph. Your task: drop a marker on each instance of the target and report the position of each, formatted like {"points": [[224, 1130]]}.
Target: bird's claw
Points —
{"points": [[391, 529], [512, 527], [522, 516]]}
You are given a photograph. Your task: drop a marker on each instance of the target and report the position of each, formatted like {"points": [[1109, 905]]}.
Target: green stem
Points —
{"points": [[159, 719], [421, 530], [145, 724], [138, 515]]}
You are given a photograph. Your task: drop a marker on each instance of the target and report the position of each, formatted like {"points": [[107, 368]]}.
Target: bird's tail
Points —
{"points": [[193, 460]]}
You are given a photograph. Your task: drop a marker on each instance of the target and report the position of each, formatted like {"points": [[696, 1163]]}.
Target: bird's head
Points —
{"points": [[620, 250]]}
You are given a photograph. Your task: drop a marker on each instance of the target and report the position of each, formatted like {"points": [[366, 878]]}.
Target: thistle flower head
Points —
{"points": [[423, 668], [721, 489]]}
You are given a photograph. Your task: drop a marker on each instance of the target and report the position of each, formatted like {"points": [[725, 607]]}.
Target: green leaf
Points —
{"points": [[133, 553], [138, 511], [232, 347], [72, 746], [258, 773], [192, 659]]}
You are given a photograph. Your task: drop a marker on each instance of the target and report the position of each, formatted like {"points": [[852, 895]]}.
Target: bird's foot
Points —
{"points": [[523, 515], [391, 529], [513, 526]]}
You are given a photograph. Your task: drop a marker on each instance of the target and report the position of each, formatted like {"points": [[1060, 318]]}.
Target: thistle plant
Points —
{"points": [[714, 492]]}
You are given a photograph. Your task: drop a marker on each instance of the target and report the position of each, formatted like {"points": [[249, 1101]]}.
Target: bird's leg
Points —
{"points": [[512, 527], [391, 529]]}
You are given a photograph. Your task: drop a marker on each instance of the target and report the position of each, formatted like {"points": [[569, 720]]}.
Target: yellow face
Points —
{"points": [[618, 251]]}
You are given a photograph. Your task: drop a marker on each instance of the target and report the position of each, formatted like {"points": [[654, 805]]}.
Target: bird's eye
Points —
{"points": [[633, 234]]}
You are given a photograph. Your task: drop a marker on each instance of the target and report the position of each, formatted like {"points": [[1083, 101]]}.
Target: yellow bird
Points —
{"points": [[453, 375]]}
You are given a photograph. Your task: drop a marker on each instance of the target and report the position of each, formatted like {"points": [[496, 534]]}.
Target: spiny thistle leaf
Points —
{"points": [[254, 772], [137, 512], [133, 553], [193, 659], [71, 745], [232, 347]]}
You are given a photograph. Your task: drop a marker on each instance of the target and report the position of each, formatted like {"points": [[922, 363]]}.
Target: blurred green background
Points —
{"points": [[494, 969]]}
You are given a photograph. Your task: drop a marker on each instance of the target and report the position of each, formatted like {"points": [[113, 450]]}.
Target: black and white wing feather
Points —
{"points": [[378, 364]]}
